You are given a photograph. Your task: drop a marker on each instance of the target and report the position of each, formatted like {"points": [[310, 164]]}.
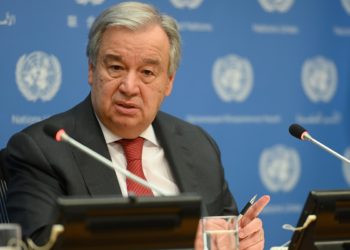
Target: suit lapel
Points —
{"points": [[177, 152], [99, 179]]}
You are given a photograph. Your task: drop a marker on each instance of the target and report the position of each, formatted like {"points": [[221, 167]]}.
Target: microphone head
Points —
{"points": [[297, 131], [54, 132]]}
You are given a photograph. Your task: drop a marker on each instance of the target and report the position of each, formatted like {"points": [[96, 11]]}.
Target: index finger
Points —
{"points": [[255, 210]]}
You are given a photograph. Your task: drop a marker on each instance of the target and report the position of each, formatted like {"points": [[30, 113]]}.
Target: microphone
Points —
{"points": [[301, 133], [60, 135]]}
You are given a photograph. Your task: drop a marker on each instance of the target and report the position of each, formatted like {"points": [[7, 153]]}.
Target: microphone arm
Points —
{"points": [[301, 133], [62, 135], [306, 136]]}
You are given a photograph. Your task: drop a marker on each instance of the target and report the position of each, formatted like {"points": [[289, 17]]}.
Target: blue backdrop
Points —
{"points": [[249, 70]]}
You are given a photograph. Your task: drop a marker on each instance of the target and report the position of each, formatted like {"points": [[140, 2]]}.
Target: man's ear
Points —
{"points": [[91, 73], [170, 84]]}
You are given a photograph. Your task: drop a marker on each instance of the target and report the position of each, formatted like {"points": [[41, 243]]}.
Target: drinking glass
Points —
{"points": [[220, 233], [10, 237]]}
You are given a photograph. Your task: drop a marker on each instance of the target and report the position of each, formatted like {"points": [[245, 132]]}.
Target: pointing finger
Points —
{"points": [[255, 210]]}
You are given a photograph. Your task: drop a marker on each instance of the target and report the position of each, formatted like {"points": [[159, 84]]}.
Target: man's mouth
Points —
{"points": [[126, 108]]}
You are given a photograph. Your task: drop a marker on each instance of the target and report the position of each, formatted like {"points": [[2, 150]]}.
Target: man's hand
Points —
{"points": [[251, 231]]}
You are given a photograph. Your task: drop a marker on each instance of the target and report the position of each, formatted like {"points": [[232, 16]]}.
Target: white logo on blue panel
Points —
{"points": [[276, 5], [233, 78], [319, 79], [93, 2], [72, 21], [190, 4], [9, 20], [89, 21], [279, 168], [346, 5], [346, 166], [38, 76]]}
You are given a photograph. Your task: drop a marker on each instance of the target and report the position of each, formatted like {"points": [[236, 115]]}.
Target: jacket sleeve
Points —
{"points": [[33, 187], [223, 202]]}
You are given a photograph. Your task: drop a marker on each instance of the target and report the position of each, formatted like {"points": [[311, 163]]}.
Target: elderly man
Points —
{"points": [[133, 53]]}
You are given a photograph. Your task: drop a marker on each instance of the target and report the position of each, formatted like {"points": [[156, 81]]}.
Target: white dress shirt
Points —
{"points": [[155, 166]]}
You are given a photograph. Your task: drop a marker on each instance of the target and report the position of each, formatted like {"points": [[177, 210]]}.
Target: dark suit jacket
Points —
{"points": [[42, 169]]}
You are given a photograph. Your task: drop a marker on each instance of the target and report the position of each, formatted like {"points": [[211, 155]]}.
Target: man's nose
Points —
{"points": [[129, 83]]}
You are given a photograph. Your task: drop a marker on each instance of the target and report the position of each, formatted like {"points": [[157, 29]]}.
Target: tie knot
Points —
{"points": [[132, 148]]}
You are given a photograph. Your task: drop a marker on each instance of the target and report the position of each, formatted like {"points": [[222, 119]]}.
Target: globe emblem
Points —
{"points": [[232, 78], [346, 166], [38, 76], [279, 168], [346, 5], [276, 5], [319, 79], [190, 4]]}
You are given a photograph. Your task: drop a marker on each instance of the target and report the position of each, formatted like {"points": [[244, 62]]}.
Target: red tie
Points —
{"points": [[133, 153]]}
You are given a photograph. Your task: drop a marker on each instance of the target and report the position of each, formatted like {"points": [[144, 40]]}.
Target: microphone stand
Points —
{"points": [[306, 136], [66, 138]]}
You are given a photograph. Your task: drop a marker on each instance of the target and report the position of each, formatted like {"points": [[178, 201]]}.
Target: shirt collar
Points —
{"points": [[148, 134]]}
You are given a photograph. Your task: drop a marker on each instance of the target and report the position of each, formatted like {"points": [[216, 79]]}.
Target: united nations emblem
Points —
{"points": [[319, 79], [191, 4], [232, 78], [346, 166], [346, 5], [279, 168], [38, 76], [276, 5]]}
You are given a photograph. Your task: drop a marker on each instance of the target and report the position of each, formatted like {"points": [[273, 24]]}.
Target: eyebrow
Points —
{"points": [[109, 57], [151, 61], [119, 58]]}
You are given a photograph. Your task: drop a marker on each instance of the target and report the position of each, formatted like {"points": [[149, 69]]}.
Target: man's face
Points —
{"points": [[130, 78]]}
